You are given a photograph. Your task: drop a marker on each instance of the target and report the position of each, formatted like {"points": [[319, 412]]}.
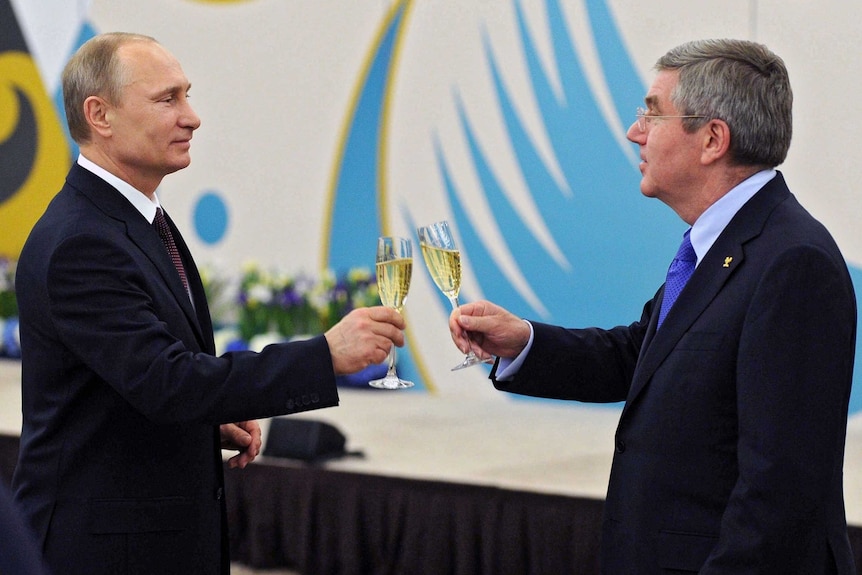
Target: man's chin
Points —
{"points": [[178, 165], [648, 190]]}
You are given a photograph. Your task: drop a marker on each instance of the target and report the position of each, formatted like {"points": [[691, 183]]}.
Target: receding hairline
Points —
{"points": [[97, 69]]}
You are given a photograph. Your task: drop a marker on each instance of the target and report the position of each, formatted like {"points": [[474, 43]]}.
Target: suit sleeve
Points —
{"points": [[591, 365], [114, 313], [793, 384]]}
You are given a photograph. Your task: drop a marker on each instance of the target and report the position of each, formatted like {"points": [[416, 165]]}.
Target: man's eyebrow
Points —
{"points": [[175, 89], [651, 102]]}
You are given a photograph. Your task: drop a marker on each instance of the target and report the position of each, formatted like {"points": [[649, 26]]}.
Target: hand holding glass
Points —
{"points": [[394, 270], [443, 261]]}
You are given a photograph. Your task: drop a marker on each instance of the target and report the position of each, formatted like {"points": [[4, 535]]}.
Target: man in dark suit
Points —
{"points": [[730, 447], [125, 406]]}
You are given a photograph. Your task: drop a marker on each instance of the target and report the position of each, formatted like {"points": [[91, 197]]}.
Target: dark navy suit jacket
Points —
{"points": [[120, 467], [19, 554], [730, 446]]}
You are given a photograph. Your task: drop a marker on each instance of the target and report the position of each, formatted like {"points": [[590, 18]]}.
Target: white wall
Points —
{"points": [[274, 81]]}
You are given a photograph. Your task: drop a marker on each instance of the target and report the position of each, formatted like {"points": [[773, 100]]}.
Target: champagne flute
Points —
{"points": [[394, 269], [443, 260]]}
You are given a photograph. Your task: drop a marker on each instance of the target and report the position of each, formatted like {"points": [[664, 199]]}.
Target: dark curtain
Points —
{"points": [[325, 522], [322, 522]]}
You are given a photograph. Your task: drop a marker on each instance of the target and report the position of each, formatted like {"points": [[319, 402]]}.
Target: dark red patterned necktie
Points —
{"points": [[168, 239]]}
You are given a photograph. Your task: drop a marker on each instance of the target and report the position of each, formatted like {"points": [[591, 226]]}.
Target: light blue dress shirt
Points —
{"points": [[704, 232]]}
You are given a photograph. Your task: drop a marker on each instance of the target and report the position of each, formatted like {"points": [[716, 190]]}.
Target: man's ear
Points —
{"points": [[716, 141], [97, 112]]}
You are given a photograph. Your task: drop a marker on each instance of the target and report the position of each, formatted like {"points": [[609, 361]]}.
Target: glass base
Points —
{"points": [[471, 360], [390, 383]]}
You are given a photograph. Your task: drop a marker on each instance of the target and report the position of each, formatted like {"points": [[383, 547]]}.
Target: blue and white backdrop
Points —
{"points": [[329, 122]]}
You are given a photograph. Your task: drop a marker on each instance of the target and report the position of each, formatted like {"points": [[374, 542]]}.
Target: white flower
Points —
{"points": [[259, 294]]}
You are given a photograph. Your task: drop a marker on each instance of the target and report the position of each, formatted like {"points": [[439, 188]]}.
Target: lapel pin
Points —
{"points": [[727, 261]]}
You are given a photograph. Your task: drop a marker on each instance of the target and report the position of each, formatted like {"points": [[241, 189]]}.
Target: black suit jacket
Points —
{"points": [[730, 447], [19, 554], [120, 467]]}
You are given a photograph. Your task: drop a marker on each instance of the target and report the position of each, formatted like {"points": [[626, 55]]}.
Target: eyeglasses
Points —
{"points": [[643, 118]]}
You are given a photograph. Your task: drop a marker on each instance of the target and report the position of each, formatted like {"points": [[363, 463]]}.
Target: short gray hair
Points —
{"points": [[742, 83], [94, 70]]}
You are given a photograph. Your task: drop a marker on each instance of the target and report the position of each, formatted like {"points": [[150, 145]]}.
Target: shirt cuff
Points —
{"points": [[509, 366]]}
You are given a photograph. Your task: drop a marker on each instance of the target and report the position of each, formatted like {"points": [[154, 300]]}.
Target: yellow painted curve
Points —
{"points": [[51, 162]]}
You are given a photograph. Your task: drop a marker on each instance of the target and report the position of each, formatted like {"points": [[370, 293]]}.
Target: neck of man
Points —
{"points": [[98, 155]]}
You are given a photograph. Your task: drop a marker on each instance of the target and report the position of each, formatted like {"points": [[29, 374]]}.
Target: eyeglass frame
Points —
{"points": [[643, 117]]}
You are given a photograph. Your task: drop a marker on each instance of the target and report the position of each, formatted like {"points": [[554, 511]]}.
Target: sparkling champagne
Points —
{"points": [[445, 268], [443, 261], [393, 281]]}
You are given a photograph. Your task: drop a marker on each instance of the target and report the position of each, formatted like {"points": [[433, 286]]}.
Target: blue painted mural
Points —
{"points": [[616, 243]]}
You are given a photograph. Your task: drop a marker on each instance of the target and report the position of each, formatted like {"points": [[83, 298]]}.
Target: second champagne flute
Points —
{"points": [[394, 270], [443, 260]]}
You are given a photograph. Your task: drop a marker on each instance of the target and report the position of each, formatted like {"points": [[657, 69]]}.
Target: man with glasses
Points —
{"points": [[730, 447]]}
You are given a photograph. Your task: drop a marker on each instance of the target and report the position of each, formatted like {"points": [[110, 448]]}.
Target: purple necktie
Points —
{"points": [[678, 273], [168, 239]]}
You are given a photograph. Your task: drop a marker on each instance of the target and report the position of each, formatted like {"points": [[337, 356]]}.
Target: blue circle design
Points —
{"points": [[211, 217]]}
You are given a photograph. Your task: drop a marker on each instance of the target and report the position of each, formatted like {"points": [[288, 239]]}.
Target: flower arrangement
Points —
{"points": [[291, 306], [269, 307], [342, 294], [10, 341], [8, 303]]}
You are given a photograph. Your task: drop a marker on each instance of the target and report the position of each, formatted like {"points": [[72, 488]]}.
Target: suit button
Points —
{"points": [[305, 400], [290, 404], [621, 446]]}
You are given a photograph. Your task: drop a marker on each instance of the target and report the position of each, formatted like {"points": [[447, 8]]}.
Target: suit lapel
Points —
{"points": [[201, 307], [148, 238], [706, 282], [725, 258], [142, 234]]}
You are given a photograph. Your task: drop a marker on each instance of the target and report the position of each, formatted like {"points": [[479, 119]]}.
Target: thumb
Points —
{"points": [[235, 434]]}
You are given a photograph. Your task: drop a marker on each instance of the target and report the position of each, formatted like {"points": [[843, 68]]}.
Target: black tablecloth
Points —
{"points": [[318, 521], [325, 522]]}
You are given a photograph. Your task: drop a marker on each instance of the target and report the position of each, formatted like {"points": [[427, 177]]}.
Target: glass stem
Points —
{"points": [[454, 301], [391, 371]]}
